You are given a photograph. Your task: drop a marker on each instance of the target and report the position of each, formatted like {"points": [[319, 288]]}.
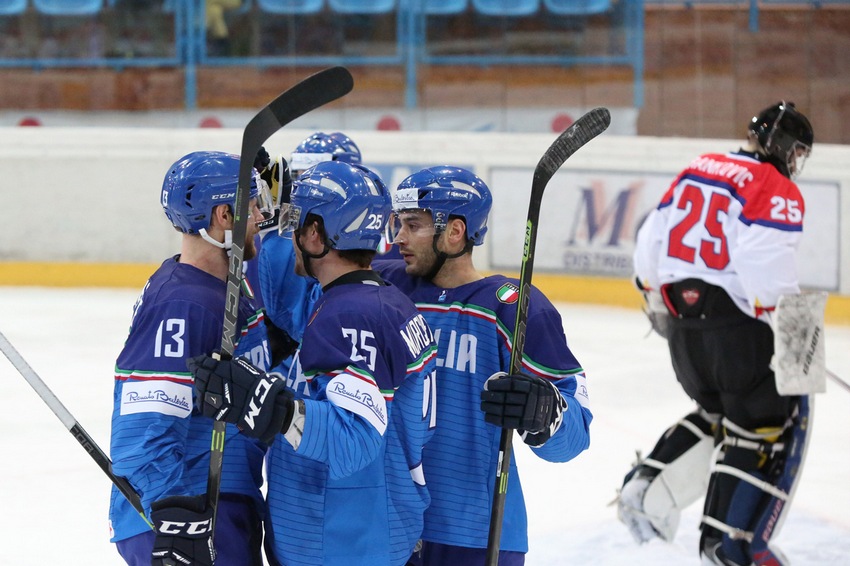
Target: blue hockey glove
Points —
{"points": [[530, 404], [234, 391], [183, 532]]}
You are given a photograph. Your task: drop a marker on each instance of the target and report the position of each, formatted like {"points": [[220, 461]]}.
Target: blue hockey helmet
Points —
{"points": [[785, 135], [446, 191], [352, 201], [198, 182], [324, 147]]}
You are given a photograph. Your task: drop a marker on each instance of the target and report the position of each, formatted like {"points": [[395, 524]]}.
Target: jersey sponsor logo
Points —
{"points": [[417, 335], [360, 397], [581, 391], [508, 293], [163, 397]]}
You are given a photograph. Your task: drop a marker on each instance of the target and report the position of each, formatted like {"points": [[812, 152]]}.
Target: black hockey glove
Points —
{"points": [[281, 344], [262, 160], [183, 532], [234, 391], [530, 404]]}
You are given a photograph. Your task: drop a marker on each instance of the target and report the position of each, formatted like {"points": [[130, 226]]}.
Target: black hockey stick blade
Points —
{"points": [[583, 130], [571, 140], [311, 93], [71, 424]]}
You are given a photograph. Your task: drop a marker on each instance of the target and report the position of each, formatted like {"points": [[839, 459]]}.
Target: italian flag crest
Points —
{"points": [[508, 293]]}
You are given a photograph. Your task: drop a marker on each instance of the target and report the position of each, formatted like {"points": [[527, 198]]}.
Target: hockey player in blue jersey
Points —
{"points": [[160, 442], [440, 215], [275, 261], [347, 427]]}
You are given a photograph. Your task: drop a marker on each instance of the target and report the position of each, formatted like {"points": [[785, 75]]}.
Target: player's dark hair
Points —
{"points": [[361, 258]]}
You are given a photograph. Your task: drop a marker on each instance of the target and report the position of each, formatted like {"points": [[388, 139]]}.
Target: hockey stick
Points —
{"points": [[311, 93], [571, 140], [71, 424], [838, 380]]}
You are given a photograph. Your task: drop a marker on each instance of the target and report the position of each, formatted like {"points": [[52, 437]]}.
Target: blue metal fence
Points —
{"points": [[412, 34]]}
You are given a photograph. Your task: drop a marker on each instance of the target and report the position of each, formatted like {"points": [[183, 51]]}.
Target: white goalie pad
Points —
{"points": [[799, 359], [680, 483]]}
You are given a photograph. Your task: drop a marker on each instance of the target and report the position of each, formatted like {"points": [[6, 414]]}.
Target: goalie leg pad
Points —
{"points": [[673, 476], [745, 502], [760, 497], [679, 484], [786, 476]]}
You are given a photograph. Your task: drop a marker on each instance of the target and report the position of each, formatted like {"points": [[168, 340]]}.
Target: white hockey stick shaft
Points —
{"points": [[71, 424]]}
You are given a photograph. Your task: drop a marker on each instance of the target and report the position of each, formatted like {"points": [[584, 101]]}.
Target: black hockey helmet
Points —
{"points": [[785, 136]]}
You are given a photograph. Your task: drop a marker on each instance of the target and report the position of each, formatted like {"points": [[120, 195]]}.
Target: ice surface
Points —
{"points": [[54, 498]]}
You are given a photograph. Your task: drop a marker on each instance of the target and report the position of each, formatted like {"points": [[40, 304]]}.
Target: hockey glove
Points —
{"points": [[183, 532], [278, 179], [281, 344], [655, 309], [262, 160], [530, 404], [234, 391]]}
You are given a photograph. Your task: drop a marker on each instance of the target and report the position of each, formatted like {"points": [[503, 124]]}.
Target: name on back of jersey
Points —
{"points": [[417, 335]]}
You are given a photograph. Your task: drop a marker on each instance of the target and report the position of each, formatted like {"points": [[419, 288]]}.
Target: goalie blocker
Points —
{"points": [[798, 342]]}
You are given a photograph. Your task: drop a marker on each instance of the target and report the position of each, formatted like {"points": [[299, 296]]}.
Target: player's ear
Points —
{"points": [[312, 236], [456, 232], [222, 216]]}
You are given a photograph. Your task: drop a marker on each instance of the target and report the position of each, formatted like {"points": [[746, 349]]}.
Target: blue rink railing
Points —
{"points": [[408, 46]]}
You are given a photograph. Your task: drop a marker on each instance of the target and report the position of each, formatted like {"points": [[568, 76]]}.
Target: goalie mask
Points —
{"points": [[785, 137], [444, 192], [198, 182], [352, 201]]}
